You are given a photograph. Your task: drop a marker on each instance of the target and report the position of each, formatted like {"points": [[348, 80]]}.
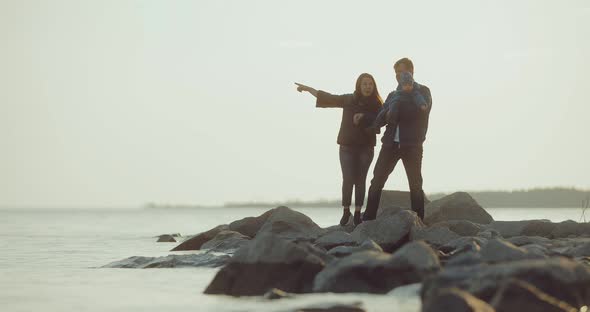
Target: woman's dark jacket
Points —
{"points": [[351, 104]]}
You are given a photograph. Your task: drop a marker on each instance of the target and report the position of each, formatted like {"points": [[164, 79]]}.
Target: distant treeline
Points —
{"points": [[533, 198]]}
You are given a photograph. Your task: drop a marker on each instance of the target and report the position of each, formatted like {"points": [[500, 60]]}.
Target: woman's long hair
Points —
{"points": [[374, 96]]}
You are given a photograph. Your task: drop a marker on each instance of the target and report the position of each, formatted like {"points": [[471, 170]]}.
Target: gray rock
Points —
{"points": [[461, 227], [465, 243], [537, 251], [195, 242], [489, 234], [436, 236], [559, 277], [456, 300], [226, 241], [389, 232], [570, 228], [290, 224], [171, 261], [498, 250], [457, 206], [521, 228], [343, 251], [378, 272], [517, 295], [527, 240], [264, 263], [166, 239], [582, 250], [348, 228], [336, 238]]}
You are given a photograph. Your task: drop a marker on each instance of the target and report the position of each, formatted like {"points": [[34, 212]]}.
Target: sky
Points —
{"points": [[120, 103]]}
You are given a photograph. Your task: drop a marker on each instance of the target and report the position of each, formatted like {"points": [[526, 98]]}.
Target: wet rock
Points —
{"points": [[389, 232], [456, 300], [333, 307], [264, 263], [517, 295], [559, 277], [195, 242], [526, 240], [457, 206], [489, 234], [171, 261], [582, 250], [378, 272]]}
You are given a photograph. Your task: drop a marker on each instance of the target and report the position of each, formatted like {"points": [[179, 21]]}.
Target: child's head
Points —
{"points": [[406, 81]]}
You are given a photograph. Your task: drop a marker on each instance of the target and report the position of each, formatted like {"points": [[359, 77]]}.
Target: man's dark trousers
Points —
{"points": [[411, 156]]}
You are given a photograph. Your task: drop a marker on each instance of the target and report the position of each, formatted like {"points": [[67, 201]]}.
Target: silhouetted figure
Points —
{"points": [[405, 111], [359, 111]]}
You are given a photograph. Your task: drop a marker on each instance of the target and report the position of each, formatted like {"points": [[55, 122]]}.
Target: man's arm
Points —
{"points": [[423, 99]]}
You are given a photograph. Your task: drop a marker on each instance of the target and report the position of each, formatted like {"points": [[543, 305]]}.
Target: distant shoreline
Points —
{"points": [[533, 198]]}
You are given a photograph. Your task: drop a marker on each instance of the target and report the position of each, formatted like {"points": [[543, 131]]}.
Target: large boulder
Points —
{"points": [[268, 262], [171, 261], [517, 295], [290, 224], [390, 232], [457, 206], [195, 242], [226, 241], [455, 300], [378, 272], [559, 277]]}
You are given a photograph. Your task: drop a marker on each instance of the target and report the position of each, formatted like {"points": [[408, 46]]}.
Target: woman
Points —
{"points": [[359, 109]]}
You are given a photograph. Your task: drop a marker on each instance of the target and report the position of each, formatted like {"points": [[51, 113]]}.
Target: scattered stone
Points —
{"points": [[461, 227], [465, 243]]}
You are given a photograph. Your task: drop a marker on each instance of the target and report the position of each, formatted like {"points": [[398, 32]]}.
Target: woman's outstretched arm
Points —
{"points": [[302, 87]]}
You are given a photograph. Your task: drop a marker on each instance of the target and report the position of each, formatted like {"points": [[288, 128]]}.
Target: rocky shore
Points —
{"points": [[464, 260]]}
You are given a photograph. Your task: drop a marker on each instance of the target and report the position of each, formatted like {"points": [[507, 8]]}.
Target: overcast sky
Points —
{"points": [[119, 103]]}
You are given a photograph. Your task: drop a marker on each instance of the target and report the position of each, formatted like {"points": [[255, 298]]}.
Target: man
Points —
{"points": [[406, 111]]}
